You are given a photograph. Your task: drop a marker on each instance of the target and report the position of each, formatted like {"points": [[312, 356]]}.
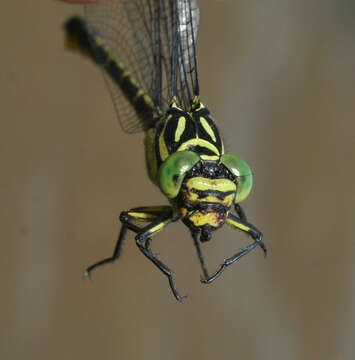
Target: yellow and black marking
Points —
{"points": [[181, 130]]}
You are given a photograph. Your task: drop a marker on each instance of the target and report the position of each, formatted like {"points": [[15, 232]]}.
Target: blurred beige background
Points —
{"points": [[279, 77]]}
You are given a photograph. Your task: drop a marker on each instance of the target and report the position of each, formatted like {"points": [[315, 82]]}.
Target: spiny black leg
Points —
{"points": [[147, 243], [140, 239], [158, 217], [143, 238], [147, 246], [261, 244], [250, 230], [258, 237], [199, 254], [240, 212], [116, 252], [230, 261]]}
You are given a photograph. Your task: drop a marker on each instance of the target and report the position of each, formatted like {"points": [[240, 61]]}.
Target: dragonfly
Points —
{"points": [[147, 51]]}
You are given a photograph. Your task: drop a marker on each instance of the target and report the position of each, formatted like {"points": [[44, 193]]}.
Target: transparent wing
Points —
{"points": [[155, 41], [188, 23]]}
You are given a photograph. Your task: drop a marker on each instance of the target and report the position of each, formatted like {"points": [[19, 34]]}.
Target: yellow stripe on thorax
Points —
{"points": [[180, 128], [198, 142], [207, 128], [163, 150]]}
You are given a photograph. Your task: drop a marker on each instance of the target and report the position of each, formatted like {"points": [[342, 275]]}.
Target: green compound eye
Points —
{"points": [[173, 170], [241, 170]]}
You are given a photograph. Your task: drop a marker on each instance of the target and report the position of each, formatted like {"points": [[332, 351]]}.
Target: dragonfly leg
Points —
{"points": [[199, 254], [158, 218], [240, 212], [145, 235], [116, 253], [250, 230], [147, 214]]}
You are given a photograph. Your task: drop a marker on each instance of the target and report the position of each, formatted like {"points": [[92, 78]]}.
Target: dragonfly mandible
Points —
{"points": [[147, 51]]}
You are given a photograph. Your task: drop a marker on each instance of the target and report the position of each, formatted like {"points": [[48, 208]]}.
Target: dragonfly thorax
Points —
{"points": [[181, 130]]}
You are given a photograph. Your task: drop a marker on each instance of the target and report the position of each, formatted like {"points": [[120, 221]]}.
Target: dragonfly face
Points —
{"points": [[206, 198]]}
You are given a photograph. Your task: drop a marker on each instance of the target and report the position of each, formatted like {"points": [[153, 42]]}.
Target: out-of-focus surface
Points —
{"points": [[279, 78]]}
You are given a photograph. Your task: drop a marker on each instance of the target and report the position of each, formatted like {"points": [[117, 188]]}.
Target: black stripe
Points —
{"points": [[206, 206], [159, 129], [216, 193], [201, 150]]}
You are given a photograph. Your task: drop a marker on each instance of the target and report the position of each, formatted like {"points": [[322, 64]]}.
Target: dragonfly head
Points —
{"points": [[206, 197], [203, 192]]}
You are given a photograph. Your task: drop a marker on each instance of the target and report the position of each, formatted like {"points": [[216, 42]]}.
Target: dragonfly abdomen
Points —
{"points": [[88, 41]]}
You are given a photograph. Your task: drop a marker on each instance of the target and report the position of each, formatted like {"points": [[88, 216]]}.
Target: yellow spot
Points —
{"points": [[99, 41], [195, 103], [209, 157], [118, 64], [200, 219], [208, 128], [180, 128], [133, 81], [173, 104], [148, 100], [139, 93]]}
